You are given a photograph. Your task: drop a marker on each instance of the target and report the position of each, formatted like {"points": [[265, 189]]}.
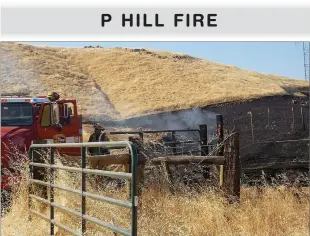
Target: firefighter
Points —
{"points": [[95, 138], [95, 162], [54, 97]]}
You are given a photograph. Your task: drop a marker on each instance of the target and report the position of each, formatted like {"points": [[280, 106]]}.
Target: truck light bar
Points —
{"points": [[30, 100]]}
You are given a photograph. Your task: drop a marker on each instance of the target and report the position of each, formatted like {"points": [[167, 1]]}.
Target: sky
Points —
{"points": [[279, 58]]}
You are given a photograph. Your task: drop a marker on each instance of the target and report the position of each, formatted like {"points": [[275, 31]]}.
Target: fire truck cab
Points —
{"points": [[26, 120]]}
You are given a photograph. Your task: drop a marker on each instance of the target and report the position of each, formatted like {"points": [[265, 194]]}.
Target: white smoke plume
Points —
{"points": [[17, 79], [188, 119], [181, 120]]}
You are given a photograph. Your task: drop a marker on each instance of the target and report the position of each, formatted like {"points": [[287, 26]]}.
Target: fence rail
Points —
{"points": [[203, 144], [153, 131], [132, 204]]}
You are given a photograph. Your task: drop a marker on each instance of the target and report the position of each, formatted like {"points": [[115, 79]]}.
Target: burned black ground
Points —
{"points": [[274, 148]]}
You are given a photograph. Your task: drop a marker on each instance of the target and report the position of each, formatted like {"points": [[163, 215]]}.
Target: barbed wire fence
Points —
{"points": [[270, 138]]}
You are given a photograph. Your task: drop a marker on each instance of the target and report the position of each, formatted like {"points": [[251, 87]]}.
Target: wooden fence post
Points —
{"points": [[285, 121], [268, 117], [174, 145], [231, 182], [252, 127], [293, 123], [203, 133], [220, 132], [168, 176], [302, 119]]}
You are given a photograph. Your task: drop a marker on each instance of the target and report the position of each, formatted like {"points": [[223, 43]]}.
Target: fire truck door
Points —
{"points": [[52, 130]]}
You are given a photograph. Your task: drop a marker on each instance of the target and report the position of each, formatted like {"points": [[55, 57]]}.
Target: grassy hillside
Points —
{"points": [[119, 82]]}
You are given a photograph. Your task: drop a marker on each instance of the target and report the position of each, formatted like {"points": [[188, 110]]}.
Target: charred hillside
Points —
{"points": [[279, 138], [273, 136]]}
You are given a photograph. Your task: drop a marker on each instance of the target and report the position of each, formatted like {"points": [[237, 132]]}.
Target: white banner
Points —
{"points": [[193, 23]]}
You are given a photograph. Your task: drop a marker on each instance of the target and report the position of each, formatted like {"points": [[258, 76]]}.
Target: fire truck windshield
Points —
{"points": [[16, 114]]}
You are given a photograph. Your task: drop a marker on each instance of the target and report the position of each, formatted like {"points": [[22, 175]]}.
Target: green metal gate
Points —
{"points": [[132, 204]]}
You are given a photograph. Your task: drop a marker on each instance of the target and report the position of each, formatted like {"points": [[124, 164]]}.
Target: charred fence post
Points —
{"points": [[285, 120], [203, 132], [293, 121], [231, 182], [220, 132], [168, 166], [173, 145], [252, 126], [268, 117], [168, 175], [303, 126]]}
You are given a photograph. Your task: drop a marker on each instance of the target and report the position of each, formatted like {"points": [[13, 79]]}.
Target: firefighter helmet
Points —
{"points": [[53, 96], [99, 127]]}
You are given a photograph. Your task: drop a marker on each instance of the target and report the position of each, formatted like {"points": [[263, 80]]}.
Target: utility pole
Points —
{"points": [[306, 46]]}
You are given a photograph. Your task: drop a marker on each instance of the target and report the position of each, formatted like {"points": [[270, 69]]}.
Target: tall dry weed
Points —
{"points": [[267, 210]]}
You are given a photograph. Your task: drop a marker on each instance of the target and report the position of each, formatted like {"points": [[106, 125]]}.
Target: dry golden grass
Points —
{"points": [[121, 83], [272, 211]]}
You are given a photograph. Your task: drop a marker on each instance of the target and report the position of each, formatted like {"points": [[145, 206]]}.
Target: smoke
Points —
{"points": [[15, 78], [36, 71], [23, 75], [188, 119]]}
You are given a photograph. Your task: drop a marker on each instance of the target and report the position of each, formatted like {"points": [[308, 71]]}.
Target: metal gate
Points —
{"points": [[132, 204]]}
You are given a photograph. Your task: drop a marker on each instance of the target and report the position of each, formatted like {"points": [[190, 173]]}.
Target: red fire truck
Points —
{"points": [[26, 120]]}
